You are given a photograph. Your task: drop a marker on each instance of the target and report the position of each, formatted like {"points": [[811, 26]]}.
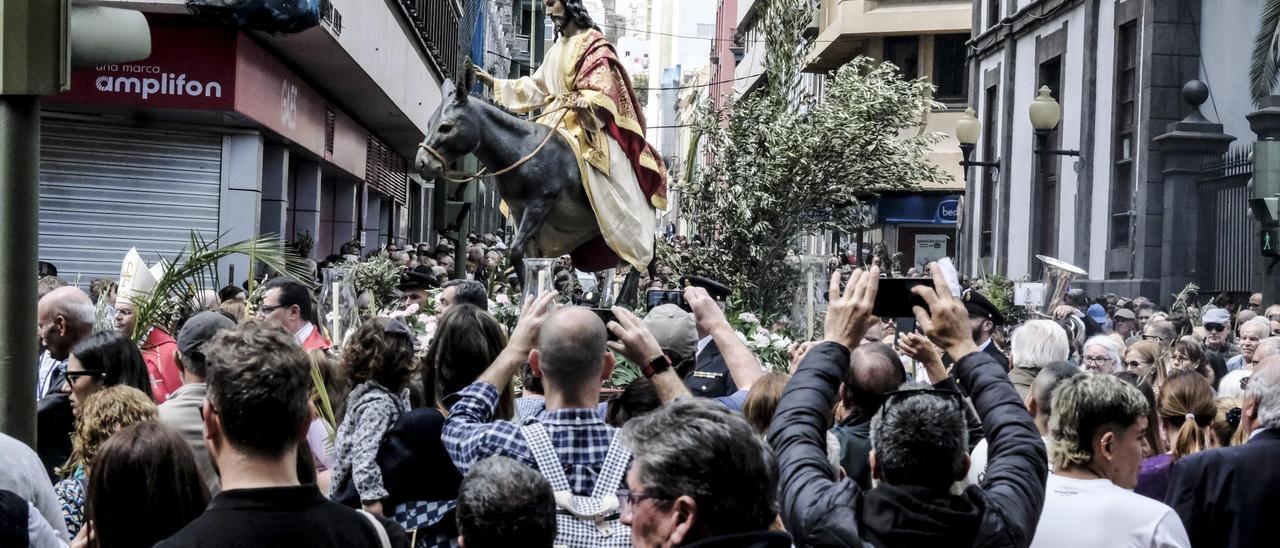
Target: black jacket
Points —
{"points": [[820, 512], [1227, 497], [757, 539], [710, 377]]}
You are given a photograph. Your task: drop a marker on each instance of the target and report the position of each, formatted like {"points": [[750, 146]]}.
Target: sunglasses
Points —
{"points": [[1136, 364], [1152, 338], [1215, 327]]}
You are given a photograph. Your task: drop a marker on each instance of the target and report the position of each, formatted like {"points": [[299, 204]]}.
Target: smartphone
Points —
{"points": [[895, 299], [659, 297], [606, 316]]}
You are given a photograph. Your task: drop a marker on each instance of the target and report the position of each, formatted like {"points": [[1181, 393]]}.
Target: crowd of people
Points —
{"points": [[1102, 422]]}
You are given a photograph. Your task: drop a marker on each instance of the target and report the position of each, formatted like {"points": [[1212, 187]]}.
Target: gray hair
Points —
{"points": [[920, 439], [1039, 343], [697, 448], [1260, 323], [1113, 348], [1264, 385], [504, 503], [81, 312], [1082, 405], [1267, 347]]}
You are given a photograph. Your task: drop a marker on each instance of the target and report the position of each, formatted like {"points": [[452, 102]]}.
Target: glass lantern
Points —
{"points": [[811, 298], [339, 308], [539, 277]]}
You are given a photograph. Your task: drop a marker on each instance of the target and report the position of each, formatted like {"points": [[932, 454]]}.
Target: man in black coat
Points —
{"points": [[912, 505], [1227, 497]]}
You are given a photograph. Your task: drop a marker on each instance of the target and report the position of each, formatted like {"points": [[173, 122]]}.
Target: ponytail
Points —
{"points": [[1190, 438]]}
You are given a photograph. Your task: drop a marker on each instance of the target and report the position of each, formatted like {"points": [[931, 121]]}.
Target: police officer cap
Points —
{"points": [[978, 305], [414, 280]]}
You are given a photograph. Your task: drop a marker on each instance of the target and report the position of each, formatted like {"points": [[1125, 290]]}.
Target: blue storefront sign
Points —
{"points": [[929, 209]]}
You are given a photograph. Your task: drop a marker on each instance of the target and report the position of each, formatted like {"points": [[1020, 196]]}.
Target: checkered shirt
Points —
{"points": [[580, 438]]}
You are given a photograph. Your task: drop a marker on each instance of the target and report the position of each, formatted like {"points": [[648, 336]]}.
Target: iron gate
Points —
{"points": [[1227, 255]]}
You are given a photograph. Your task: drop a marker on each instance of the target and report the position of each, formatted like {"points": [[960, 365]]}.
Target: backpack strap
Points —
{"points": [[613, 470], [383, 539], [544, 453]]}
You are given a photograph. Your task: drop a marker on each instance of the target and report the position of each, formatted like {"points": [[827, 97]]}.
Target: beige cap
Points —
{"points": [[674, 329]]}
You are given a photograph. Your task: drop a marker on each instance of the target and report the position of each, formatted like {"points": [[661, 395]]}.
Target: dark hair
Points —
{"points": [[373, 354], [467, 340], [144, 487], [504, 503], [697, 448], [1153, 433], [920, 439], [293, 293], [259, 383], [636, 399], [1046, 380], [532, 384], [116, 357], [229, 292], [468, 292], [875, 371]]}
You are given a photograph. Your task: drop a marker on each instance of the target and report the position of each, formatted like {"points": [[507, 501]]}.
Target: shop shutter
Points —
{"points": [[105, 188]]}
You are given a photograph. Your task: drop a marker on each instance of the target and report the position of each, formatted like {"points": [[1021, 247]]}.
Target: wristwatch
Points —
{"points": [[655, 366]]}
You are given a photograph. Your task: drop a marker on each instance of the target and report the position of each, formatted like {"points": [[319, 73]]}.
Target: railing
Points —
{"points": [[1223, 187], [436, 22]]}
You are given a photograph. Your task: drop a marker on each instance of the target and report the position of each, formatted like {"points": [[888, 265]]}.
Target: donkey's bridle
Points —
{"points": [[483, 170]]}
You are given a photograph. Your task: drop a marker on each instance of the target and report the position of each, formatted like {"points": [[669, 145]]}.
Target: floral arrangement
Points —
{"points": [[378, 277], [769, 346]]}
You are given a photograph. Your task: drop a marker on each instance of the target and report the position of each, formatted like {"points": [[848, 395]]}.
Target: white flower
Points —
{"points": [[741, 337], [781, 343], [503, 299], [760, 341], [748, 317]]}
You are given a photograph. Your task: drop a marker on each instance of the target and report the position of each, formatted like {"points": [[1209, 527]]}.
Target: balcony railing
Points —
{"points": [[436, 23]]}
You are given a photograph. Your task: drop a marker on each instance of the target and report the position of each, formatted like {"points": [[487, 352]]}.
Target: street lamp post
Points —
{"points": [[1045, 113], [968, 129]]}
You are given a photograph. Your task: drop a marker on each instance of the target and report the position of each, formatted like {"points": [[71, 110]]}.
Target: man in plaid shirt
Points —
{"points": [[572, 359]]}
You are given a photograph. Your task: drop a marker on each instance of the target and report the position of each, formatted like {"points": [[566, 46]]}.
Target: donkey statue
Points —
{"points": [[535, 172]]}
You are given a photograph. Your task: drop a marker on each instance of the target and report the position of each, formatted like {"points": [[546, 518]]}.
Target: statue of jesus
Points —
{"points": [[583, 90]]}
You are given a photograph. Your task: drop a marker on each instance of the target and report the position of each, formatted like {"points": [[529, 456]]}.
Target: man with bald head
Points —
{"points": [[874, 370], [64, 317], [567, 349]]}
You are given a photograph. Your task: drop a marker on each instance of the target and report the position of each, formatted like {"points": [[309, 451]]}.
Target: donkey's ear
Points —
{"points": [[461, 91], [468, 74]]}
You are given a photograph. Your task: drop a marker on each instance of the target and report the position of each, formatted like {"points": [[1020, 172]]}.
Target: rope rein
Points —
{"points": [[466, 178]]}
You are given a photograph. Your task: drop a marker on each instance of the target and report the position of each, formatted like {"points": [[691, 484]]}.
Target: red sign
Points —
{"points": [[190, 68]]}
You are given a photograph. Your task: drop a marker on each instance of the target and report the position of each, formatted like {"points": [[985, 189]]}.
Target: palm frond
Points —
{"points": [[1263, 69], [195, 268]]}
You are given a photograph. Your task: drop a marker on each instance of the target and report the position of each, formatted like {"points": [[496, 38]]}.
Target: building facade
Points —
{"points": [[1114, 206]]}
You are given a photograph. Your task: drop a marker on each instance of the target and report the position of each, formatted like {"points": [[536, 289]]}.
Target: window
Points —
{"points": [[526, 21], [989, 178], [993, 13], [903, 52], [1122, 134], [949, 74]]}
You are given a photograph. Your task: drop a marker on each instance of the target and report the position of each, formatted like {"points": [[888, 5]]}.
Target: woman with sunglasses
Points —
{"points": [[104, 359]]}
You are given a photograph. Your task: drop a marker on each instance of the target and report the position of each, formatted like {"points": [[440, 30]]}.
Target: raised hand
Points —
{"points": [[947, 321], [635, 341], [849, 312], [706, 313], [483, 76]]}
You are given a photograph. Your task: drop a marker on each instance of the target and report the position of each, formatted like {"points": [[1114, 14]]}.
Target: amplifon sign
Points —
{"points": [[190, 67], [167, 84]]}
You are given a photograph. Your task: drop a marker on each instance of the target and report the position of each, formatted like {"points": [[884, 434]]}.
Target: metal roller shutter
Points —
{"points": [[104, 189]]}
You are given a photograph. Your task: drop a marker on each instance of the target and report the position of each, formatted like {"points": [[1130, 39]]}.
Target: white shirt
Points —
{"points": [[48, 369], [1096, 512], [702, 343], [978, 462], [303, 333]]}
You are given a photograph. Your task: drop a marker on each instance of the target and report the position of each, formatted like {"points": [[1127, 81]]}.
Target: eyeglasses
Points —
{"points": [[1136, 364], [628, 499], [1215, 327], [1096, 359], [265, 309], [72, 376], [1146, 337], [898, 395]]}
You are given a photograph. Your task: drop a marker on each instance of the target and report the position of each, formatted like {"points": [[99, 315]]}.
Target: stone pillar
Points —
{"points": [[306, 202], [1184, 148], [275, 190], [344, 213], [1265, 123], [372, 219], [240, 200]]}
